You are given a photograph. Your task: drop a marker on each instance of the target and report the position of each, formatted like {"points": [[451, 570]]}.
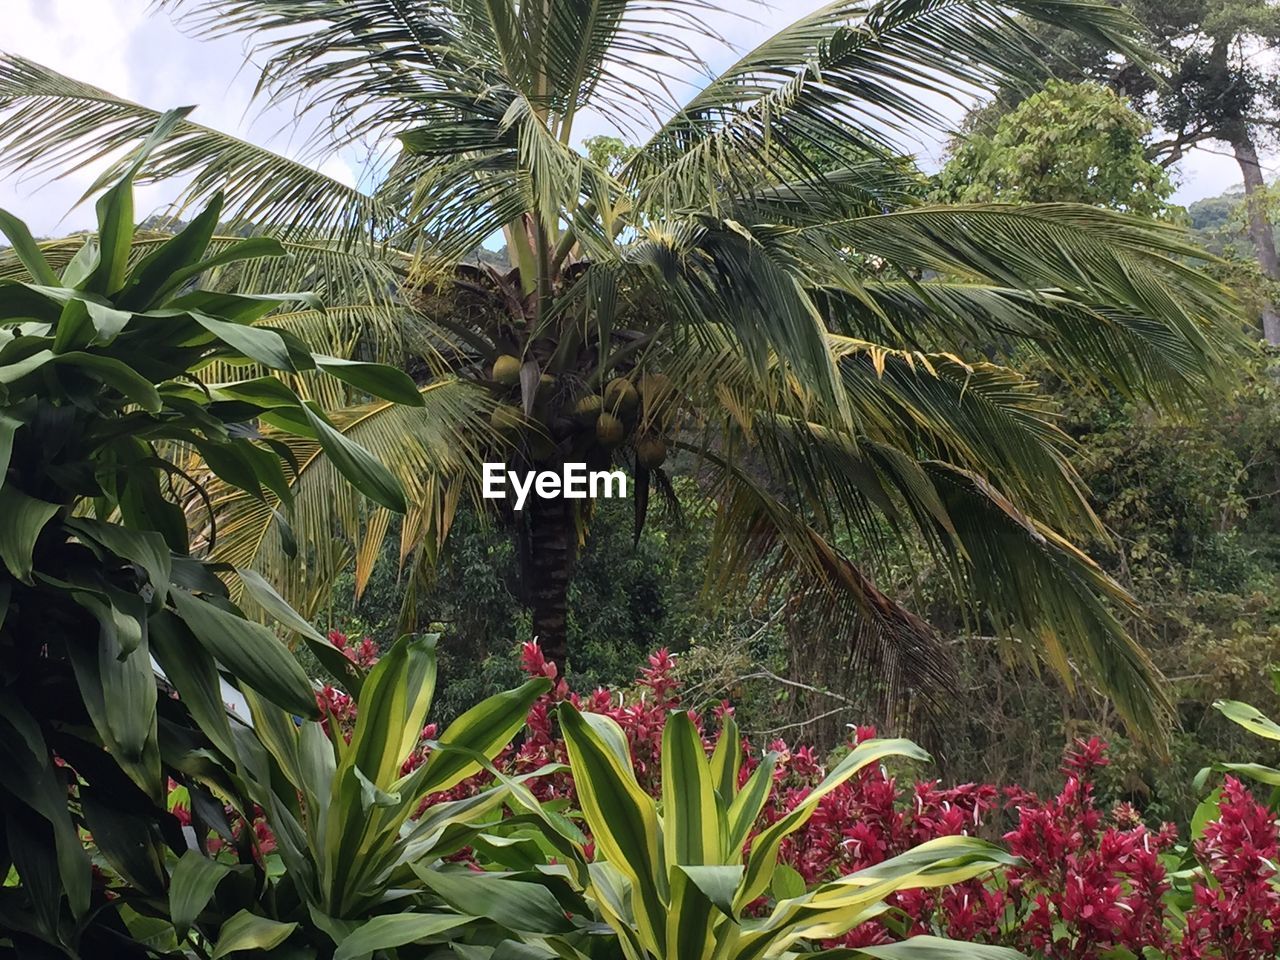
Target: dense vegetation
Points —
{"points": [[989, 458]]}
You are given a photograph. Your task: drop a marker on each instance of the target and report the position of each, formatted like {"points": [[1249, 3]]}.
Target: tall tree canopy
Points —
{"points": [[1215, 82], [1068, 143], [745, 291]]}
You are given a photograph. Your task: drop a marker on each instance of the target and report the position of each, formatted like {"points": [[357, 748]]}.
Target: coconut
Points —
{"points": [[620, 397], [507, 419], [506, 370], [588, 408], [651, 452], [609, 430]]}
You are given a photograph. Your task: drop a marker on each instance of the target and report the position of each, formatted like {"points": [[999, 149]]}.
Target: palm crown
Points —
{"points": [[751, 284]]}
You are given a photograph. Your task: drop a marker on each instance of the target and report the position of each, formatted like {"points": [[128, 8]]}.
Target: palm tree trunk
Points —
{"points": [[553, 546], [1260, 230]]}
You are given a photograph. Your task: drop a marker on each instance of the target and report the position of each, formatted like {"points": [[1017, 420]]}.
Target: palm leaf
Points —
{"points": [[52, 125]]}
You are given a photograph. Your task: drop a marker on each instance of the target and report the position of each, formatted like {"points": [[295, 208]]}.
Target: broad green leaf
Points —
{"points": [[747, 805], [393, 705], [1249, 717], [690, 816], [483, 730], [30, 777], [718, 884], [191, 886], [142, 547], [1208, 810], [21, 520], [266, 392], [251, 652], [256, 343], [154, 271], [115, 212], [765, 846], [270, 600], [74, 328], [8, 430], [377, 379], [246, 931], [194, 674], [355, 463], [28, 251], [786, 883], [129, 839], [395, 930], [1254, 771], [517, 905], [726, 762], [253, 248], [119, 376], [691, 920], [623, 818]]}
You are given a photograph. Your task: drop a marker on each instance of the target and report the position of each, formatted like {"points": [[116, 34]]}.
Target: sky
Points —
{"points": [[124, 47]]}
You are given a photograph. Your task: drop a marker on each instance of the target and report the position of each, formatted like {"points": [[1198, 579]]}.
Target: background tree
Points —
{"points": [[1215, 83], [1068, 143]]}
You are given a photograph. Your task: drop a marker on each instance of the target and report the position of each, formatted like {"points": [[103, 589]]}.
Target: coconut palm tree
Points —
{"points": [[747, 291]]}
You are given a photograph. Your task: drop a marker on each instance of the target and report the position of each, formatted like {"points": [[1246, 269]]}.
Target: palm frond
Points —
{"points": [[846, 74], [52, 125], [761, 548], [1038, 589], [328, 521]]}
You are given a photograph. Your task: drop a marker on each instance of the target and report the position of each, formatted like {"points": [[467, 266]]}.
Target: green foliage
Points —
{"points": [[671, 878], [1068, 143], [103, 399]]}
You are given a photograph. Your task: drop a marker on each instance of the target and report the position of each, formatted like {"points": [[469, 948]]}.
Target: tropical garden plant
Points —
{"points": [[119, 644], [747, 292]]}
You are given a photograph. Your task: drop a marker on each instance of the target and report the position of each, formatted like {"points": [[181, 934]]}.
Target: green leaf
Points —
{"points": [[251, 652], [622, 817], [128, 839], [265, 346], [331, 658], [1249, 717], [145, 548], [1208, 810], [269, 393], [21, 520], [378, 379], [395, 930], [356, 464], [115, 374], [31, 778], [28, 251], [246, 931], [254, 248], [786, 883], [483, 730], [194, 674], [155, 271], [690, 815], [718, 884], [517, 905], [115, 213], [8, 430], [266, 597]]}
